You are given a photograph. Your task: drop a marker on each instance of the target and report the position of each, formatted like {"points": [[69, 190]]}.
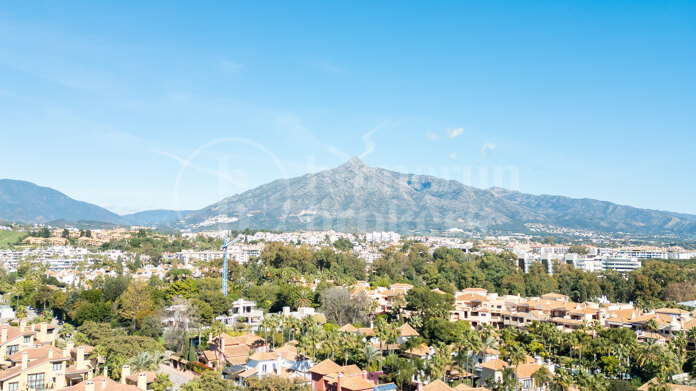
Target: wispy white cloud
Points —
{"points": [[488, 146], [452, 156], [367, 141], [450, 134], [454, 133]]}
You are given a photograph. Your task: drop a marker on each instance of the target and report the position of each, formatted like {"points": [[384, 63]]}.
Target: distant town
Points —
{"points": [[136, 308]]}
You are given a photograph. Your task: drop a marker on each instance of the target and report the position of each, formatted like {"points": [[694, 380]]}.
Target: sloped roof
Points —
{"points": [[325, 367], [17, 369], [524, 371], [407, 331], [262, 356], [496, 364], [437, 385], [421, 351], [150, 376], [348, 328], [111, 385], [366, 332], [237, 350], [354, 382], [464, 387], [247, 373], [38, 353], [288, 352]]}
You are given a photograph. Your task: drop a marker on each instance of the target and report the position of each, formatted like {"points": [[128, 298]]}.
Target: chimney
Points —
{"points": [[80, 358], [364, 375], [90, 375], [142, 381], [43, 332], [286, 311], [22, 325], [89, 385], [372, 324], [3, 336], [103, 384], [125, 372], [279, 361], [69, 346], [339, 381], [420, 386], [106, 372], [50, 353], [25, 359]]}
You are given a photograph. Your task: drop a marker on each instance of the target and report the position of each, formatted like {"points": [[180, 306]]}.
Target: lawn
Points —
{"points": [[9, 237]]}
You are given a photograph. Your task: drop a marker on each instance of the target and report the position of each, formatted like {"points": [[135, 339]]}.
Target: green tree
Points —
{"points": [[136, 302], [429, 304], [161, 383]]}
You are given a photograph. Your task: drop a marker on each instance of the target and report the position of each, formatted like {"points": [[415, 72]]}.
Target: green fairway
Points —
{"points": [[9, 237]]}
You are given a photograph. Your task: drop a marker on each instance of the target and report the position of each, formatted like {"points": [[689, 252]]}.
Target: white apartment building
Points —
{"points": [[603, 262]]}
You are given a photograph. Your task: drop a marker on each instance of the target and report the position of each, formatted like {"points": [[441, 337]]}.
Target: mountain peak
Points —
{"points": [[354, 163]]}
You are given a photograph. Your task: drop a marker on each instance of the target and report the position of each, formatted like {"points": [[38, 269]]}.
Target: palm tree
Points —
{"points": [[438, 363], [273, 323], [652, 325], [304, 298], [383, 331], [66, 331], [516, 356], [562, 380], [648, 353], [678, 346], [265, 323], [146, 361], [405, 370], [587, 381], [331, 343], [293, 325], [542, 377], [486, 331], [371, 354], [216, 329], [692, 334], [467, 343], [416, 321], [311, 338]]}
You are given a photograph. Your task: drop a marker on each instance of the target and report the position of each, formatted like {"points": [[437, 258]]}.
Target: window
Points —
{"points": [[35, 381], [13, 387], [27, 338], [527, 384], [57, 366], [12, 349]]}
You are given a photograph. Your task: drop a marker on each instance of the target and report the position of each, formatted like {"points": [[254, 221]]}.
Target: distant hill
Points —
{"points": [[26, 202], [155, 217], [600, 216], [356, 197]]}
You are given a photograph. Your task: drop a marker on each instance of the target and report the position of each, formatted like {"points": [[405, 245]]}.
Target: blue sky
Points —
{"points": [[140, 105]]}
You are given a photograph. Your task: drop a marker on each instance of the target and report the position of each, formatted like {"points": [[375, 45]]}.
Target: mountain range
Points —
{"points": [[357, 197]]}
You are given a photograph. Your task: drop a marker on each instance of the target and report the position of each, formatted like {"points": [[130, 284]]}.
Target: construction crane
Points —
{"points": [[225, 268]]}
